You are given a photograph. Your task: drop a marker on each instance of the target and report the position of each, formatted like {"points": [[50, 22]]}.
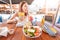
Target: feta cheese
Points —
{"points": [[31, 30]]}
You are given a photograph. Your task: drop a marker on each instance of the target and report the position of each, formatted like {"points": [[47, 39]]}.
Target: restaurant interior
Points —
{"points": [[41, 23]]}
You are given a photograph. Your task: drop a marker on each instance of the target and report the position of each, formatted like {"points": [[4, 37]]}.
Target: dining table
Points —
{"points": [[18, 34]]}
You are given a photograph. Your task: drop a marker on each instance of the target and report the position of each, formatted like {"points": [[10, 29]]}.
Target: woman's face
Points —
{"points": [[25, 7]]}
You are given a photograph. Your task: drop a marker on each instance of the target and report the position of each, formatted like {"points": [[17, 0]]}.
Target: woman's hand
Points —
{"points": [[11, 21]]}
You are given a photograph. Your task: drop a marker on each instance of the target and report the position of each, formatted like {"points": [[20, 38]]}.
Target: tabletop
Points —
{"points": [[18, 34]]}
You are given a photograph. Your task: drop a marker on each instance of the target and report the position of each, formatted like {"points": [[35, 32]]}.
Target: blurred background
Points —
{"points": [[49, 7], [40, 6]]}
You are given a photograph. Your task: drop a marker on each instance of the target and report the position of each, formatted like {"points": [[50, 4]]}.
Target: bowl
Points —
{"points": [[32, 31]]}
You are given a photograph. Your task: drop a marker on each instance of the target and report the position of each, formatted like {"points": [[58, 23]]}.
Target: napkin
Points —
{"points": [[3, 31]]}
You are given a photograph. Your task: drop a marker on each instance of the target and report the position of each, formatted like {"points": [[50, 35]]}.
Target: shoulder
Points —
{"points": [[16, 13]]}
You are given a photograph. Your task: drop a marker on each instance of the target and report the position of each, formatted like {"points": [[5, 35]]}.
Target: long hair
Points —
{"points": [[21, 5]]}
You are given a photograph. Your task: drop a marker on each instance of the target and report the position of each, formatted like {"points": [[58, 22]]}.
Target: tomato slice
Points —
{"points": [[37, 30], [36, 34]]}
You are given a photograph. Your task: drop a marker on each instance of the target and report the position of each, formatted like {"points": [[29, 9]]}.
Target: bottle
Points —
{"points": [[34, 22], [43, 21]]}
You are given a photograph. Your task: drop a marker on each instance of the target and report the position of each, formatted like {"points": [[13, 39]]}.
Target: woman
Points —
{"points": [[21, 15]]}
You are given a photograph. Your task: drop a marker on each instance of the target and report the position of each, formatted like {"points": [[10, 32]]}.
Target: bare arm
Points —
{"points": [[12, 20], [14, 15]]}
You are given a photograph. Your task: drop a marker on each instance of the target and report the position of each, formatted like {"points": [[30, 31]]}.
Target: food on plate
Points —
{"points": [[32, 31]]}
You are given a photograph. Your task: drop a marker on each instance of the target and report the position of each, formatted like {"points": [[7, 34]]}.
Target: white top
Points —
{"points": [[20, 23]]}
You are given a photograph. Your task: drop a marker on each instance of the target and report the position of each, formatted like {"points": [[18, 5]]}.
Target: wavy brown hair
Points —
{"points": [[21, 5]]}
